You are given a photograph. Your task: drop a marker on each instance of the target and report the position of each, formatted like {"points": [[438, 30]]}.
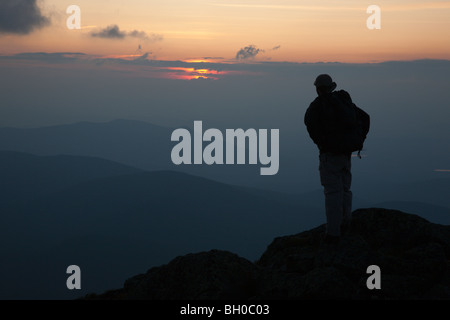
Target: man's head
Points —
{"points": [[324, 84]]}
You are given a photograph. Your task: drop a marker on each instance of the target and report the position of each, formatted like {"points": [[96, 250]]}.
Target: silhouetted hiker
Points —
{"points": [[338, 127]]}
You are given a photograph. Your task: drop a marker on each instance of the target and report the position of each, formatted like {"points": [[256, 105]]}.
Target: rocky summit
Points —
{"points": [[411, 254]]}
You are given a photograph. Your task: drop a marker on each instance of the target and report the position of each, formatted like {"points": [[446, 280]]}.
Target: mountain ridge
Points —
{"points": [[28, 175], [412, 254]]}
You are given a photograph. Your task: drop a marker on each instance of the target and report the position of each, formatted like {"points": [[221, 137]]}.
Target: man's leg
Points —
{"points": [[348, 196], [332, 182]]}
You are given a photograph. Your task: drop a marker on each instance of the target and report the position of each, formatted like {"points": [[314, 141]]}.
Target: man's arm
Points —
{"points": [[312, 122]]}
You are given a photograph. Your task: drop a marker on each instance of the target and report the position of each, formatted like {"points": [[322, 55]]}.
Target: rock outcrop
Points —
{"points": [[412, 254]]}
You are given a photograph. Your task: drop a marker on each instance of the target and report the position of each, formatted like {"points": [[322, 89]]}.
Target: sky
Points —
{"points": [[281, 30], [230, 64]]}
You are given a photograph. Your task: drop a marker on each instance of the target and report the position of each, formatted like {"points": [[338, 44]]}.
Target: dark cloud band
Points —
{"points": [[21, 16], [114, 32]]}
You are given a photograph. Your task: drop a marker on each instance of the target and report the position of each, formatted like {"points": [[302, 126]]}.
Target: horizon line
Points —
{"points": [[200, 60]]}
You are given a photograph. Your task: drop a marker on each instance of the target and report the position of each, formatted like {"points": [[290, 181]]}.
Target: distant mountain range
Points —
{"points": [[106, 197], [134, 143], [393, 169], [130, 142], [25, 176], [113, 220]]}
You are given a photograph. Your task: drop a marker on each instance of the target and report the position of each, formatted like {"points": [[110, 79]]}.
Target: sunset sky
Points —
{"points": [[264, 53], [281, 30]]}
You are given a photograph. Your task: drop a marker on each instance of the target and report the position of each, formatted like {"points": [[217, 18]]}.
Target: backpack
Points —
{"points": [[346, 125]]}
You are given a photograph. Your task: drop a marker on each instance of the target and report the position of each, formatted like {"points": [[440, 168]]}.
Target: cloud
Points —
{"points": [[248, 52], [276, 48], [114, 32], [53, 57], [110, 32], [138, 34], [21, 17], [145, 36]]}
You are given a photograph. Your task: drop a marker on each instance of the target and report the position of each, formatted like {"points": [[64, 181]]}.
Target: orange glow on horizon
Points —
{"points": [[197, 60], [193, 73], [122, 56]]}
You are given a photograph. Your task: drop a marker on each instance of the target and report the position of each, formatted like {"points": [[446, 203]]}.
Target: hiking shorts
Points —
{"points": [[336, 179]]}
